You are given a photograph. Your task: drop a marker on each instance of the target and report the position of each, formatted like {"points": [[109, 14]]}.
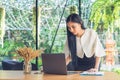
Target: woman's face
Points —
{"points": [[74, 27]]}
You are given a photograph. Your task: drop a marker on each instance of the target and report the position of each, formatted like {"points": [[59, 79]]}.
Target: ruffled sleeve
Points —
{"points": [[91, 44], [99, 50]]}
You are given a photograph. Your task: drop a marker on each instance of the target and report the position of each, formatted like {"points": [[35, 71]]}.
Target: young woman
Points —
{"points": [[83, 48]]}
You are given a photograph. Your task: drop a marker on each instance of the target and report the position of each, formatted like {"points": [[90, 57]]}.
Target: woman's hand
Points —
{"points": [[93, 70], [68, 59]]}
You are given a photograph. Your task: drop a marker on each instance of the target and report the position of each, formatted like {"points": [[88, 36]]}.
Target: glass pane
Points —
{"points": [[18, 27]]}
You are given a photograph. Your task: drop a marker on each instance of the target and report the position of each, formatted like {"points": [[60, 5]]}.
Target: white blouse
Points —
{"points": [[89, 44]]}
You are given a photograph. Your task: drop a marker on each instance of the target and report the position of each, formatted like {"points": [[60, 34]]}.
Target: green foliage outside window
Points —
{"points": [[104, 13]]}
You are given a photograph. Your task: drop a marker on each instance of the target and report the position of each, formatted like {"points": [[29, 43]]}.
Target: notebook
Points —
{"points": [[54, 63], [86, 73]]}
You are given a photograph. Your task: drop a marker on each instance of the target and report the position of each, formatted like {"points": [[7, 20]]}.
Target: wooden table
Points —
{"points": [[19, 75]]}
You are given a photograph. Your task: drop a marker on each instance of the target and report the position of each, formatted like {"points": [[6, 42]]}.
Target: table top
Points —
{"points": [[19, 75]]}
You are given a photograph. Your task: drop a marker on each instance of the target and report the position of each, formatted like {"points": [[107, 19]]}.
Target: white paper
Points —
{"points": [[86, 73]]}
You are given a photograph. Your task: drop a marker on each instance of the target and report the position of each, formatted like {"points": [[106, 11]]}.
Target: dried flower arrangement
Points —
{"points": [[28, 53]]}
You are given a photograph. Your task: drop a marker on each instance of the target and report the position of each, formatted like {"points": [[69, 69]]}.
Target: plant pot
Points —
{"points": [[27, 67]]}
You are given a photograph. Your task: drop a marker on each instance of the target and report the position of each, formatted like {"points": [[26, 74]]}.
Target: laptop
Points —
{"points": [[54, 64]]}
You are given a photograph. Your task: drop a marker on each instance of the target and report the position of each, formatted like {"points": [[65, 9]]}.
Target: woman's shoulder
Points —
{"points": [[90, 31]]}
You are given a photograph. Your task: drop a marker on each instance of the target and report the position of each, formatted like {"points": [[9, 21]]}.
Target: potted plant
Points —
{"points": [[28, 54]]}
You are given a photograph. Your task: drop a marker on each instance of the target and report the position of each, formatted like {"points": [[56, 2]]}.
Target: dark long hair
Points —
{"points": [[72, 38]]}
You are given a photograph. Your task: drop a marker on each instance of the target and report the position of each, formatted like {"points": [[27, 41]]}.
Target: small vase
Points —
{"points": [[27, 67]]}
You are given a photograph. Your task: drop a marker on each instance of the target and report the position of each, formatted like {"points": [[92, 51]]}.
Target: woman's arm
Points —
{"points": [[68, 59], [97, 63]]}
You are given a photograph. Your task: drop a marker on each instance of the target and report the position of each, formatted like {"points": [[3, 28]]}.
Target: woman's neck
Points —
{"points": [[80, 33]]}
